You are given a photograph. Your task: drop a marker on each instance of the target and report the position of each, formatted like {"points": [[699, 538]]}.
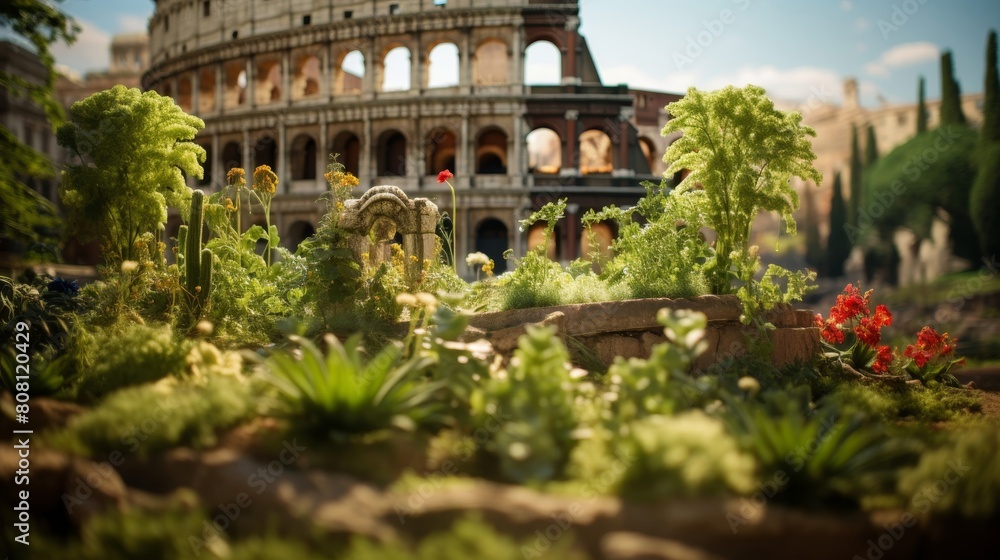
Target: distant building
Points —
{"points": [[129, 57], [285, 83]]}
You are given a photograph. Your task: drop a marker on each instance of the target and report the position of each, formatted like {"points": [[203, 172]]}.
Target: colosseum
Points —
{"points": [[403, 89]]}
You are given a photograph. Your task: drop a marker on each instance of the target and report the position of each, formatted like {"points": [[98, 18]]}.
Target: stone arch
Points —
{"points": [[267, 81], [542, 63], [443, 65], [297, 232], [440, 150], [648, 148], [596, 152], [303, 157], [387, 208], [235, 84], [350, 75], [492, 63], [184, 89], [232, 156], [396, 69], [265, 152], [307, 76], [493, 239], [536, 236], [347, 146], [392, 153], [491, 152], [206, 89], [544, 151]]}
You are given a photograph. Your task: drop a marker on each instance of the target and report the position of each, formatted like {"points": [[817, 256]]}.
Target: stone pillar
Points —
{"points": [[570, 159], [516, 54], [326, 75], [247, 153], [283, 174], [195, 87], [220, 87], [515, 165], [371, 70], [462, 158], [322, 147], [286, 78], [571, 76], [465, 62], [623, 167], [367, 160], [251, 101], [218, 173], [417, 65]]}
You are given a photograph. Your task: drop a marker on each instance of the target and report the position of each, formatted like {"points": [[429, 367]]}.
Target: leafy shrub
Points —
{"points": [[820, 455], [154, 418], [528, 410], [690, 454], [960, 478], [343, 392], [887, 402], [121, 356]]}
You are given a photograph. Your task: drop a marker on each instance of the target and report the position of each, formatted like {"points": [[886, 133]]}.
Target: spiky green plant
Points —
{"points": [[341, 393]]}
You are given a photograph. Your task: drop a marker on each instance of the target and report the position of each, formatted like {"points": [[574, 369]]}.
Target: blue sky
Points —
{"points": [[796, 49]]}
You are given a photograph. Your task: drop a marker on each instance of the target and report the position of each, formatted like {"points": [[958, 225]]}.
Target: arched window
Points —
{"points": [[235, 94], [536, 236], [392, 154], [184, 93], [265, 152], [491, 240], [267, 84], [350, 74], [491, 64], [232, 156], [649, 152], [396, 70], [442, 68], [307, 76], [206, 90], [440, 151], [542, 64], [298, 232], [491, 153], [347, 146], [595, 152], [544, 151], [303, 158]]}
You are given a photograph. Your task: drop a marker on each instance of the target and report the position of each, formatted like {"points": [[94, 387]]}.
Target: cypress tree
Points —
{"points": [[951, 94], [854, 209], [871, 147], [922, 115], [838, 245], [991, 101], [814, 248]]}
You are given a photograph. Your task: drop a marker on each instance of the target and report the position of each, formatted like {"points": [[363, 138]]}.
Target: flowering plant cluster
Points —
{"points": [[852, 315], [932, 357]]}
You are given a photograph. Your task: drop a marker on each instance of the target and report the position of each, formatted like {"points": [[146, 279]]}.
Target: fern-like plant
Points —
{"points": [[341, 393]]}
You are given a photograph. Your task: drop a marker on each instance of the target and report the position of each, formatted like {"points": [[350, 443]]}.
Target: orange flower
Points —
{"points": [[265, 180], [236, 177]]}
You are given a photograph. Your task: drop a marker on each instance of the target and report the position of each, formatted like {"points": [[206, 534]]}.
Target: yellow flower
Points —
{"points": [[230, 207], [265, 180], [236, 177], [488, 268]]}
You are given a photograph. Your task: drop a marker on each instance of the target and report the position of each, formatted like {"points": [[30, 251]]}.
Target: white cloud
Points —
{"points": [[89, 52], [635, 77], [906, 54], [131, 24], [804, 84]]}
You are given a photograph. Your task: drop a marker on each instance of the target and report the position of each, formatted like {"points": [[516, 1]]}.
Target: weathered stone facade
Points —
{"points": [[286, 82]]}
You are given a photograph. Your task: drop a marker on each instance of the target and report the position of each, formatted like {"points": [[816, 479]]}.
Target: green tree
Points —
{"points": [[951, 94], [854, 204], [991, 97], [132, 149], [742, 152], [922, 115], [26, 216], [985, 198], [814, 247], [871, 147], [838, 245]]}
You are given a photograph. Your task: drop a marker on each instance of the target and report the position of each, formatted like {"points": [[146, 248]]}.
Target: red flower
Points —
{"points": [[444, 176], [832, 333], [929, 345], [868, 331], [819, 320], [882, 316], [850, 304], [883, 359]]}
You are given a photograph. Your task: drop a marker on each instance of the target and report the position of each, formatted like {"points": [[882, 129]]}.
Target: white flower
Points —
{"points": [[476, 258]]}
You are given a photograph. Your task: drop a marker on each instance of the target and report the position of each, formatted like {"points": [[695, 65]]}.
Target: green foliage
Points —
{"points": [[132, 149], [109, 358], [854, 187], [967, 466], [28, 218], [528, 411], [991, 94], [197, 260], [922, 115], [951, 95], [871, 147], [343, 393], [984, 200], [905, 188], [690, 454], [815, 253], [662, 253], [824, 455], [742, 152], [153, 418], [889, 403]]}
